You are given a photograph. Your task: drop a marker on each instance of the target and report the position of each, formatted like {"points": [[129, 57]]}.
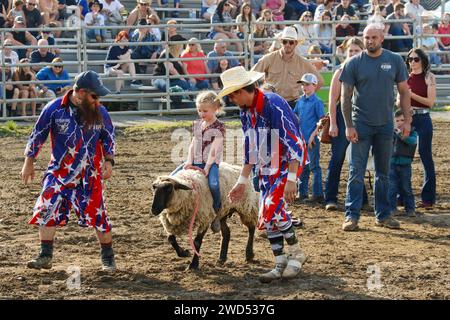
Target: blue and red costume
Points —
{"points": [[272, 140], [73, 178]]}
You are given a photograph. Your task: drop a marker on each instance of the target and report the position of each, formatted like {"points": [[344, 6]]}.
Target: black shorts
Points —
{"points": [[9, 94]]}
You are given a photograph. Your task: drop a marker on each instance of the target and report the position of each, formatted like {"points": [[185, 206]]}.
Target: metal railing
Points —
{"points": [[83, 47]]}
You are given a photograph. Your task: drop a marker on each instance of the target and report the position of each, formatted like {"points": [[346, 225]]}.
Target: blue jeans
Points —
{"points": [[339, 146], [400, 183], [314, 167], [201, 84], [298, 8], [161, 84], [434, 58], [213, 182], [380, 138], [92, 33], [424, 127], [399, 45]]}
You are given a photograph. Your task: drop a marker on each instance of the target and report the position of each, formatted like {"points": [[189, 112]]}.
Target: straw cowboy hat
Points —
{"points": [[237, 78]]}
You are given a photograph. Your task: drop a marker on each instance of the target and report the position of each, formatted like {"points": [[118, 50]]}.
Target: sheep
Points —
{"points": [[174, 200]]}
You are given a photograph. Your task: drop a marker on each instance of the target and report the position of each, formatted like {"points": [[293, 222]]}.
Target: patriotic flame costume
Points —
{"points": [[73, 178], [269, 120]]}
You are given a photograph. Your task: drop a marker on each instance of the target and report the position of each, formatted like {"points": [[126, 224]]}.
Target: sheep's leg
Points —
{"points": [[225, 230], [180, 251], [249, 255], [197, 243]]}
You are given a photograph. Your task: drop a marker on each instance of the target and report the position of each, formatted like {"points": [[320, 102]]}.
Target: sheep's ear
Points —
{"points": [[181, 186]]}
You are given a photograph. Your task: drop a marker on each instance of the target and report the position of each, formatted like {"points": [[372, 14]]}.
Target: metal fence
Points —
{"points": [[81, 47]]}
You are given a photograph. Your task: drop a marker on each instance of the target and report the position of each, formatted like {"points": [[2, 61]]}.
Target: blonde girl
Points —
{"points": [[205, 151]]}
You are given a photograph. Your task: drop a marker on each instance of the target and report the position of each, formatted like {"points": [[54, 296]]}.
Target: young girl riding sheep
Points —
{"points": [[205, 151]]}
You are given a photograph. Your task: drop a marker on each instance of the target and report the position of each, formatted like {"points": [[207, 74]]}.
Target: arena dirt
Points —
{"points": [[411, 263]]}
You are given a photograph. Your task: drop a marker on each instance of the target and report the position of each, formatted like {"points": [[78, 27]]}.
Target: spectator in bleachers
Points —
{"points": [[21, 38], [194, 50], [399, 29], [344, 29], [257, 7], [429, 43], [444, 28], [8, 53], [154, 20], [260, 47], [316, 61], [414, 11], [118, 69], [49, 10], [3, 12], [16, 11], [267, 16], [143, 51], [220, 50], [24, 73], [390, 7], [41, 55], [222, 66], [174, 67], [208, 8], [95, 18], [246, 16], [84, 7], [326, 5], [277, 8], [345, 8], [324, 30], [171, 31], [222, 15], [12, 92], [54, 72], [306, 32], [142, 10], [33, 16], [295, 8], [47, 35], [62, 11], [112, 11]]}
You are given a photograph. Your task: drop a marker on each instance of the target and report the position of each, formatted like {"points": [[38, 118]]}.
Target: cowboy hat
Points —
{"points": [[289, 33], [237, 78]]}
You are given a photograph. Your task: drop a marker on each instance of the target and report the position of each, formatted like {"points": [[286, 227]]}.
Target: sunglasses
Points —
{"points": [[226, 5], [415, 59], [191, 44], [32, 4], [59, 67], [143, 4], [94, 96], [291, 42]]}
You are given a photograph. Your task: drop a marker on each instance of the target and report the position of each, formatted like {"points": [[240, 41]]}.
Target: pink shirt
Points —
{"points": [[195, 66]]}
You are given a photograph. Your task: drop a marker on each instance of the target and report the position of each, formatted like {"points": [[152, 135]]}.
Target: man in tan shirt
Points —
{"points": [[283, 68]]}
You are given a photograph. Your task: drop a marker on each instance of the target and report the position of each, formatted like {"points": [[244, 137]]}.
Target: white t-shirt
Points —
{"points": [[414, 11], [89, 19], [115, 5], [13, 56]]}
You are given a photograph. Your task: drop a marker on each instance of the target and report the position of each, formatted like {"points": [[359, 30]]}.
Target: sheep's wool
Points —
{"points": [[177, 216]]}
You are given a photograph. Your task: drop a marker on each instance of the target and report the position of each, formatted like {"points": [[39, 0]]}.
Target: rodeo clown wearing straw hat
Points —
{"points": [[273, 143]]}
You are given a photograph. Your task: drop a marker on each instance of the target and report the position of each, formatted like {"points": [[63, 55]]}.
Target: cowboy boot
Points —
{"points": [[280, 264], [296, 259]]}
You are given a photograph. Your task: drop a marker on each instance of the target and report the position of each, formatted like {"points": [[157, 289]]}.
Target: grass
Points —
{"points": [[10, 128], [168, 126]]}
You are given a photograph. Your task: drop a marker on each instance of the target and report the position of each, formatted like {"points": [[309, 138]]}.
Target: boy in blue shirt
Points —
{"points": [[400, 171], [310, 109]]}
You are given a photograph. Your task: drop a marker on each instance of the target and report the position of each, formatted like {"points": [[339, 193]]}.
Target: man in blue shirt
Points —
{"points": [[310, 109], [220, 50], [370, 78]]}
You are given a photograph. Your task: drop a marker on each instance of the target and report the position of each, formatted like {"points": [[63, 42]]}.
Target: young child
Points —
{"points": [[310, 109], [95, 18], [205, 151], [17, 11], [400, 172]]}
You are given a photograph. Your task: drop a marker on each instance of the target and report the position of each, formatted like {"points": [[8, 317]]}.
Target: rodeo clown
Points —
{"points": [[273, 143], [82, 136]]}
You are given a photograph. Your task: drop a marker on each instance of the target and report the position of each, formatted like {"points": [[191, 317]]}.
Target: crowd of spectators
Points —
{"points": [[261, 20]]}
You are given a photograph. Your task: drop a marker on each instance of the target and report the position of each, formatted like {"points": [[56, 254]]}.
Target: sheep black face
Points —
{"points": [[164, 191]]}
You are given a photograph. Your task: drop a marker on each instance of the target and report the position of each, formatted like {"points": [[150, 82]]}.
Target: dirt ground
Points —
{"points": [[410, 263]]}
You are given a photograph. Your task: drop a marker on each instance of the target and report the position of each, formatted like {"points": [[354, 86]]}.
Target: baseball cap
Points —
{"points": [[19, 19], [90, 80], [308, 78]]}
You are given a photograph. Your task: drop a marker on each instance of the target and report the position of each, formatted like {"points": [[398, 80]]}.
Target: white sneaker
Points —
{"points": [[275, 274], [296, 259]]}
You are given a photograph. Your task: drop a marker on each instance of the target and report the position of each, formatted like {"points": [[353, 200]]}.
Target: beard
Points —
{"points": [[374, 48], [90, 113]]}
